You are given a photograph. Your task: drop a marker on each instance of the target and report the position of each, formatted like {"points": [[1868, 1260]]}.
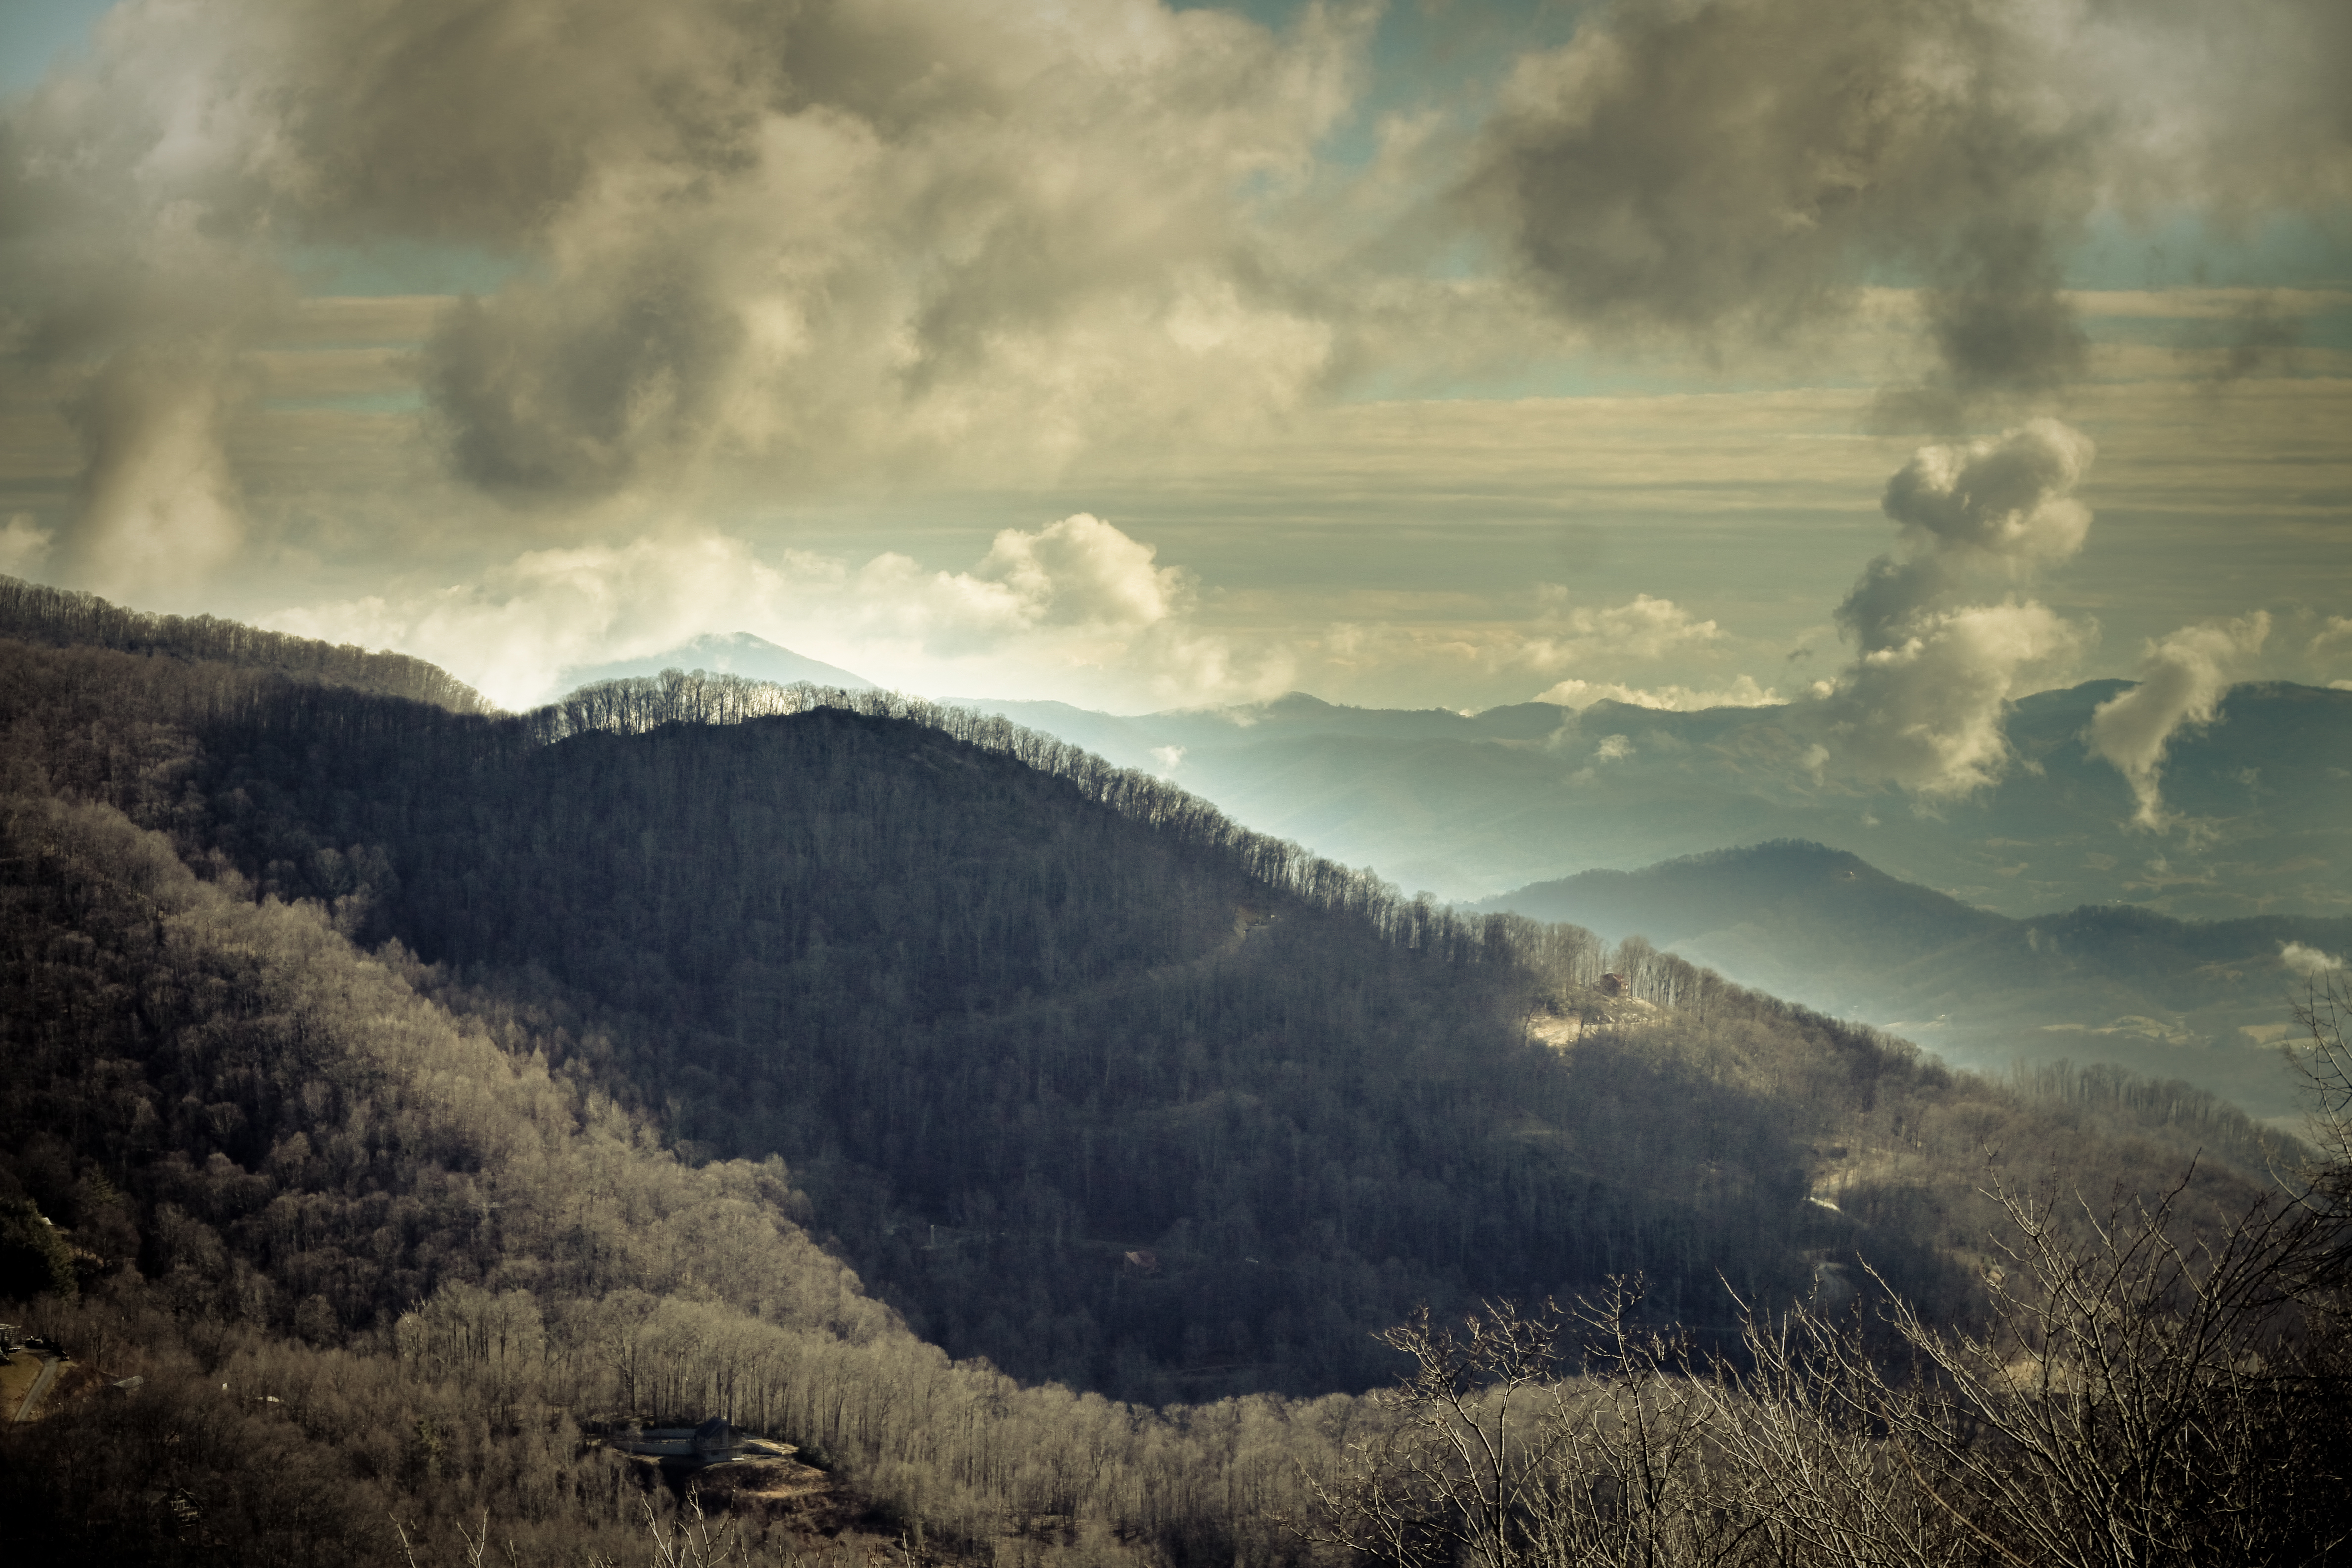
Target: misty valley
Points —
{"points": [[709, 1120]]}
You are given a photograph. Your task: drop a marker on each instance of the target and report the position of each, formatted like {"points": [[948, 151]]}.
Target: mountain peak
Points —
{"points": [[722, 653]]}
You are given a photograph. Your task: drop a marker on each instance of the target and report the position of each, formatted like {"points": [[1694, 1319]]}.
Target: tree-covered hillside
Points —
{"points": [[450, 1084], [32, 612], [1079, 1076], [1010, 1024], [359, 1264]]}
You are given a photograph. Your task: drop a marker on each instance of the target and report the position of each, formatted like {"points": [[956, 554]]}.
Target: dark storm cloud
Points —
{"points": [[559, 394], [2000, 325], [455, 119], [1734, 170], [812, 229], [515, 126], [811, 234]]}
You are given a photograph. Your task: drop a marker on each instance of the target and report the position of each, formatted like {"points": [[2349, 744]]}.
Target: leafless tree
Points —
{"points": [[1492, 1457], [2321, 1059], [2133, 1396]]}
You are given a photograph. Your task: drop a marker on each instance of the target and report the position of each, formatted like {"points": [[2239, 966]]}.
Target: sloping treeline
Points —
{"points": [[31, 612], [698, 699], [1013, 1015]]}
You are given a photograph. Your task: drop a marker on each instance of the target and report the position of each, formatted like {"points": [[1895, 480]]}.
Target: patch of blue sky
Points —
{"points": [[393, 265], [2279, 250], [1442, 56], [36, 34]]}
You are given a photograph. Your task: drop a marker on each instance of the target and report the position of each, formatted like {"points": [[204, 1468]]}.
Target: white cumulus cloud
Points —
{"points": [[1741, 692], [1640, 628], [1075, 609], [2182, 679], [2309, 962], [1923, 701]]}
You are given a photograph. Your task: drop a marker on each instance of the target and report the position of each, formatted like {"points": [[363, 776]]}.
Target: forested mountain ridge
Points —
{"points": [[958, 992], [33, 613], [2205, 1001], [1014, 1013], [991, 1000]]}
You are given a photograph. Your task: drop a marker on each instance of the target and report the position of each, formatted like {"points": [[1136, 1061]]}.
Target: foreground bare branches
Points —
{"points": [[1494, 1458], [2132, 1395]]}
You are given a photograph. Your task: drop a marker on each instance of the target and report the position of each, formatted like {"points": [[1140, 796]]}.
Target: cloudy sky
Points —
{"points": [[1898, 356]]}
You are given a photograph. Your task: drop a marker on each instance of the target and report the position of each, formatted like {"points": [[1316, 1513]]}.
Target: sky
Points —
{"points": [[1897, 358]]}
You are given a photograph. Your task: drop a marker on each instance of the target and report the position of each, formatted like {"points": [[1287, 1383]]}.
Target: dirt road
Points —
{"points": [[41, 1381]]}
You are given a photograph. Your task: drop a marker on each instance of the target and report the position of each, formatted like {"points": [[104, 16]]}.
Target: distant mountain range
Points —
{"points": [[1468, 807], [2206, 1002], [723, 653]]}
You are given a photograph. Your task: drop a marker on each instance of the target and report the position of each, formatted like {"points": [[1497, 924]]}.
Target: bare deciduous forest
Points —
{"points": [[407, 1097]]}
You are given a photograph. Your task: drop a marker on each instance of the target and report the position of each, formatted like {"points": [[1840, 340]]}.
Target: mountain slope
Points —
{"points": [[1008, 1034], [398, 1238], [1078, 1074], [2200, 1001], [368, 1263]]}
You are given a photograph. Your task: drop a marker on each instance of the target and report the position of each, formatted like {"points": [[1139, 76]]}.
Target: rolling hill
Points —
{"points": [[2205, 1002]]}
